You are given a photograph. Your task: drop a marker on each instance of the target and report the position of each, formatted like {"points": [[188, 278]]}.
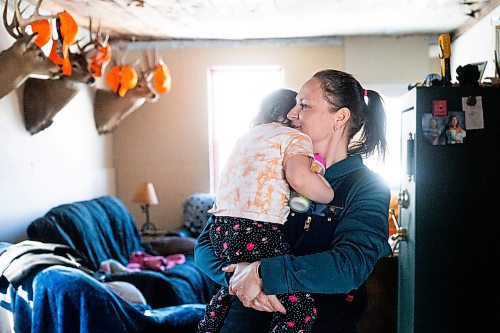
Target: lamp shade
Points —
{"points": [[146, 194]]}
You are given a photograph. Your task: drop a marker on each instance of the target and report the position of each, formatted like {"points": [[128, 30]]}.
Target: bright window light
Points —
{"points": [[390, 168], [235, 94]]}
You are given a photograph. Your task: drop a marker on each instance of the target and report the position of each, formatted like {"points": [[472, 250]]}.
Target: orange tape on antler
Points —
{"points": [[43, 30], [128, 80], [162, 81], [67, 27], [67, 30], [100, 60], [121, 78], [60, 56], [113, 78]]}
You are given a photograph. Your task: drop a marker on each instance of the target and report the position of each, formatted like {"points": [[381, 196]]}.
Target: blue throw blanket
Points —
{"points": [[100, 229], [65, 299], [68, 300]]}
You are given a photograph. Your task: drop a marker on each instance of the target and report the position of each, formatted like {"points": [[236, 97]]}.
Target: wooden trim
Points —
{"points": [[473, 20]]}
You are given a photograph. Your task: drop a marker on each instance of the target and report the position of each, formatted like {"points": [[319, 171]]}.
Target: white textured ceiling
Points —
{"points": [[249, 19]]}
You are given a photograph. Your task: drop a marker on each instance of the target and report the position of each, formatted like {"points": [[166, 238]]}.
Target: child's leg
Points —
{"points": [[215, 312], [243, 240], [300, 313]]}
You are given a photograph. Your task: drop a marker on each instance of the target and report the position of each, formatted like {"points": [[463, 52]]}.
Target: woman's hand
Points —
{"points": [[245, 282], [268, 303]]}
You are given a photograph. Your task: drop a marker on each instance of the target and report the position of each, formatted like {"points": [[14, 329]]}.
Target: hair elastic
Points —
{"points": [[365, 92]]}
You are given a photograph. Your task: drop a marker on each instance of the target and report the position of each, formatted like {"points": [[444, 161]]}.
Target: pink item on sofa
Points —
{"points": [[141, 260]]}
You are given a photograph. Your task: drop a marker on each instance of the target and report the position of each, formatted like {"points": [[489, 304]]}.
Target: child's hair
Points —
{"points": [[275, 107]]}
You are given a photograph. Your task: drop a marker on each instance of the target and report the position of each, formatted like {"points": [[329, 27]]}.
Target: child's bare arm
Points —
{"points": [[311, 185]]}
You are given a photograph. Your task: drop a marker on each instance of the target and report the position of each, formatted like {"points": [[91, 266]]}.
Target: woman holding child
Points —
{"points": [[345, 123]]}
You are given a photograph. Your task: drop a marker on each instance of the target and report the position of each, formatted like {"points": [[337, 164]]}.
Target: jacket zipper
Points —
{"points": [[307, 225]]}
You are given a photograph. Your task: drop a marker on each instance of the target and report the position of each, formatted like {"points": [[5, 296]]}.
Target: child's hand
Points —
{"points": [[318, 165]]}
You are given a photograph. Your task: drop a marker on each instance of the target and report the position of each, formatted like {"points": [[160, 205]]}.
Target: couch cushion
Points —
{"points": [[99, 229], [195, 210], [168, 245]]}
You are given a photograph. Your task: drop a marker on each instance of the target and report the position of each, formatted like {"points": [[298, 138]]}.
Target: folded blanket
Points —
{"points": [[142, 261], [19, 260]]}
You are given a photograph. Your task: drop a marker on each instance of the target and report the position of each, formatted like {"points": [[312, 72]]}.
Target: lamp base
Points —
{"points": [[148, 227]]}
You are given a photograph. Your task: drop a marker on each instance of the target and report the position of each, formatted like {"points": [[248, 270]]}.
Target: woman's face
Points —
{"points": [[454, 121], [433, 123], [312, 113]]}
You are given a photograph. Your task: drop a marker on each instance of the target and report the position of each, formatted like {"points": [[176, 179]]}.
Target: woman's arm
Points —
{"points": [[206, 260], [360, 239]]}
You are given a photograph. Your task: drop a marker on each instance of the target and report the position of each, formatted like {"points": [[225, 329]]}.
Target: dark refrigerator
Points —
{"points": [[448, 197]]}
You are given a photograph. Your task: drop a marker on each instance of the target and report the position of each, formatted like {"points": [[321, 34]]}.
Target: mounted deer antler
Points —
{"points": [[110, 108], [43, 99], [97, 50], [17, 27], [24, 58]]}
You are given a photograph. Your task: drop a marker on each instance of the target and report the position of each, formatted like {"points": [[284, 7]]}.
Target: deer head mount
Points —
{"points": [[24, 58], [112, 106], [43, 99]]}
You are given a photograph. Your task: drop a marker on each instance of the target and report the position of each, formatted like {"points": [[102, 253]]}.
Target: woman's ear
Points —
{"points": [[342, 116]]}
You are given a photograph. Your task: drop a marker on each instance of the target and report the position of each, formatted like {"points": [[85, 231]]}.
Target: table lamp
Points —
{"points": [[146, 196]]}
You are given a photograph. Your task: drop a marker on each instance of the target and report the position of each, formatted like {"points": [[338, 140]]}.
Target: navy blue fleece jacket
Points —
{"points": [[360, 239]]}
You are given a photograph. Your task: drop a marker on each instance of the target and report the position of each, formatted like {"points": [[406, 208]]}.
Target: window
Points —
{"points": [[390, 168], [235, 94]]}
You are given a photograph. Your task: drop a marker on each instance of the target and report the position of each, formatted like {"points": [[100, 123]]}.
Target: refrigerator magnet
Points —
{"points": [[433, 129], [439, 107], [454, 130], [473, 108]]}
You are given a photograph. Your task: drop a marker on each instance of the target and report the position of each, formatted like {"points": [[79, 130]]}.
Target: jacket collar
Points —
{"points": [[342, 168]]}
